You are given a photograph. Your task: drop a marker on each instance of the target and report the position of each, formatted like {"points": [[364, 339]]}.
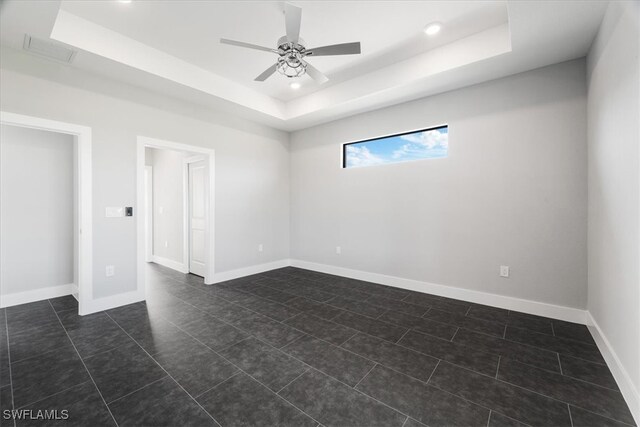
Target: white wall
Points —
{"points": [[36, 203], [168, 203], [614, 186], [512, 191], [251, 171]]}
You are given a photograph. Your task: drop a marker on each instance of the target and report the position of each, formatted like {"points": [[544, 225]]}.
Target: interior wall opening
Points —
{"points": [[175, 201], [39, 220]]}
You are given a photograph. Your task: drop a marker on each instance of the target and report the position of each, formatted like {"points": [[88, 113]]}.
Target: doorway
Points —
{"points": [[175, 198], [80, 211]]}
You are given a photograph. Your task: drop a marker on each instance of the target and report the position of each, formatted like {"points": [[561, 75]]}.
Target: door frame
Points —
{"points": [[148, 192], [83, 228], [186, 211], [209, 157]]}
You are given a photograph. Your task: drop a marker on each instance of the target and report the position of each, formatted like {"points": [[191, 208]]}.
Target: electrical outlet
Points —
{"points": [[110, 271], [260, 248], [504, 271], [338, 250]]}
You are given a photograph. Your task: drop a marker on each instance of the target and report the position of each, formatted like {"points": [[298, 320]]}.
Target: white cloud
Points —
{"points": [[361, 156], [431, 143], [429, 138]]}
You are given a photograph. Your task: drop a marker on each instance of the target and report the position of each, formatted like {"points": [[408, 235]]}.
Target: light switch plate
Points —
{"points": [[114, 211]]}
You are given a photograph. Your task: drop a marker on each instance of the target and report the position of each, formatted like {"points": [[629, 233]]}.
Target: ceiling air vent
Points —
{"points": [[49, 49]]}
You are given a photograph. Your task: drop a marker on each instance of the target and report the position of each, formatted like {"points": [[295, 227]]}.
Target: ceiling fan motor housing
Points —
{"points": [[290, 62]]}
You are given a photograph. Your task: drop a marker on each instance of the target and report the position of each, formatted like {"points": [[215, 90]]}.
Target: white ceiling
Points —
{"points": [[173, 47]]}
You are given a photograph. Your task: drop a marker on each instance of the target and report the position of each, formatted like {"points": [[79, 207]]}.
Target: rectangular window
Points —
{"points": [[429, 143]]}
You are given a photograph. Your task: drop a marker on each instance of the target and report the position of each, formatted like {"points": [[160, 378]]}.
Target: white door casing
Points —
{"points": [[197, 217], [148, 204]]}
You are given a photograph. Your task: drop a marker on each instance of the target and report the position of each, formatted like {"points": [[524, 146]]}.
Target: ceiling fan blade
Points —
{"points": [[335, 49], [266, 73], [247, 45], [315, 74], [292, 17]]}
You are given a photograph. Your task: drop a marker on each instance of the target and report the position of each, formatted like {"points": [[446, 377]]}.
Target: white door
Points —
{"points": [[148, 206], [197, 217]]}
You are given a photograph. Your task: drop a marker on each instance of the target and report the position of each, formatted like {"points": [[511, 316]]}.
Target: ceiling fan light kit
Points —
{"points": [[291, 60], [292, 52]]}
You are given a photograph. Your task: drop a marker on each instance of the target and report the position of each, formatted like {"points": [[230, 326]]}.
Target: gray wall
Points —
{"points": [[512, 191], [251, 169], [168, 207], [36, 204], [614, 184]]}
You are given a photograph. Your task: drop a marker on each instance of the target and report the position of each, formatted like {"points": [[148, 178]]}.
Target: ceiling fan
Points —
{"points": [[292, 53]]}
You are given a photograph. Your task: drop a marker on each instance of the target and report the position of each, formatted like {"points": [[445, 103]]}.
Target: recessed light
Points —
{"points": [[295, 85], [433, 28], [124, 1]]}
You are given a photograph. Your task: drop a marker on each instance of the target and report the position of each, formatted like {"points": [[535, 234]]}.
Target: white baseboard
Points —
{"points": [[510, 303], [106, 303], [25, 297], [169, 263], [629, 391], [253, 269]]}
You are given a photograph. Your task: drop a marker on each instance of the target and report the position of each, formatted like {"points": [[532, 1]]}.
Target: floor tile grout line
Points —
{"points": [[498, 367], [386, 310], [561, 339], [403, 335], [360, 392], [544, 349], [570, 416], [454, 334], [588, 382], [286, 345], [85, 367], [166, 372], [238, 372], [433, 372], [365, 375], [6, 326], [600, 415], [227, 347], [40, 354], [489, 419], [164, 377], [559, 363], [51, 395], [531, 346], [481, 405], [340, 345], [293, 380], [405, 421], [409, 349]]}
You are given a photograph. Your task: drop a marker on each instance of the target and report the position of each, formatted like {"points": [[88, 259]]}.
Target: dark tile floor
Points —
{"points": [[292, 347]]}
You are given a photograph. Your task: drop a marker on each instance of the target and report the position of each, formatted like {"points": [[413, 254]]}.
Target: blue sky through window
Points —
{"points": [[427, 144]]}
